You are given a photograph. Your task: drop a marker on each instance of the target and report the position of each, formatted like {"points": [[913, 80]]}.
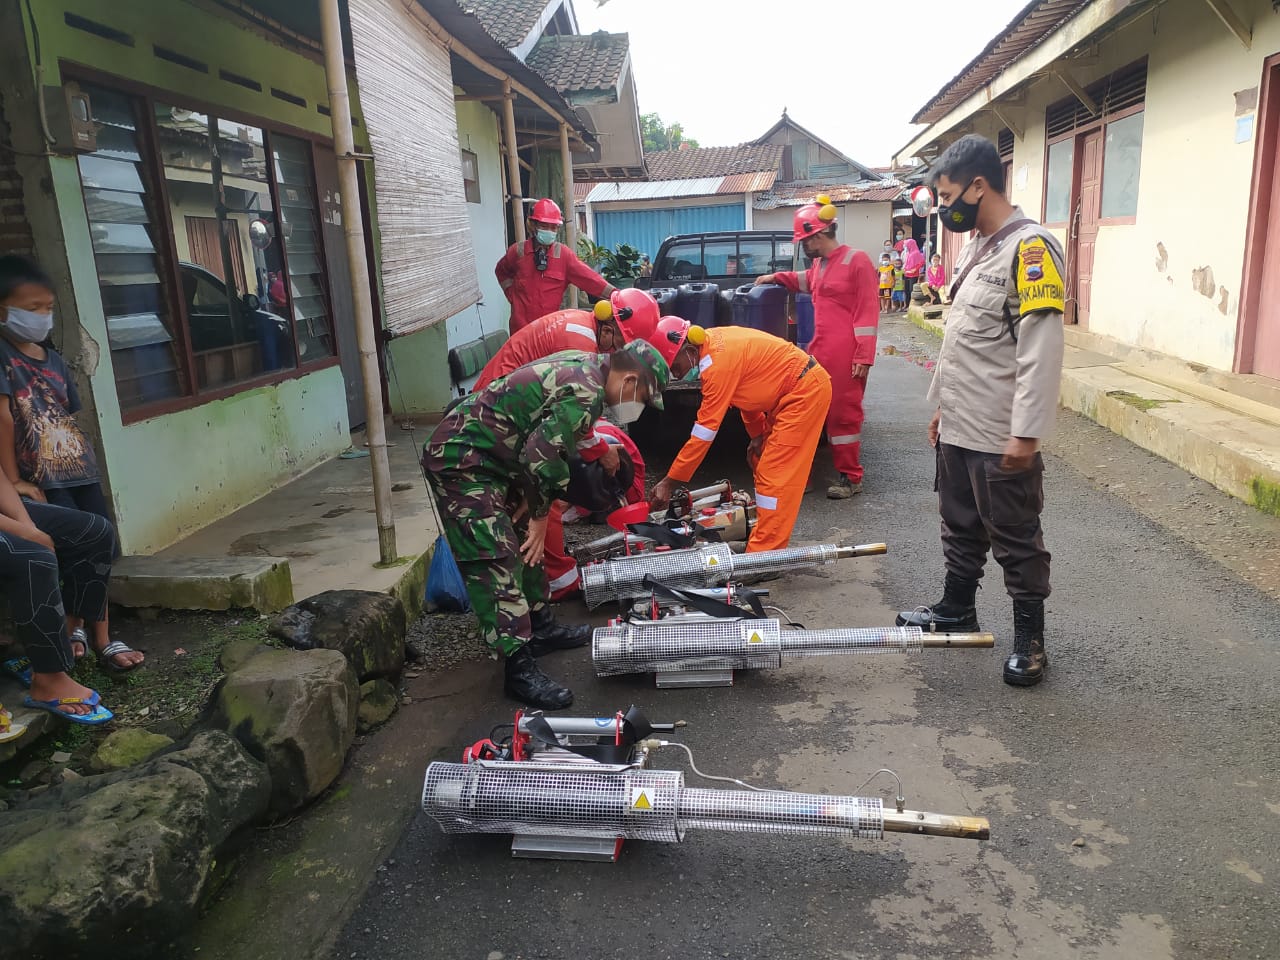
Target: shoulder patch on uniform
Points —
{"points": [[1039, 282]]}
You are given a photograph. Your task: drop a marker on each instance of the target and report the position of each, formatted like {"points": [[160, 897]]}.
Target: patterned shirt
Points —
{"points": [[52, 450]]}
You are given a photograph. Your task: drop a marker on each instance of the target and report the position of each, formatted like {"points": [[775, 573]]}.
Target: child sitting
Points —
{"points": [[935, 280], [43, 452], [899, 286], [886, 282]]}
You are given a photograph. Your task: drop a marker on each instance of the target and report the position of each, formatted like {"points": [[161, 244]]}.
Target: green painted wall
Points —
{"points": [[421, 359], [175, 473]]}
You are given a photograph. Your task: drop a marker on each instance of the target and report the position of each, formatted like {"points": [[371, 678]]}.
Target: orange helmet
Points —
{"points": [[813, 218], [547, 211], [635, 312]]}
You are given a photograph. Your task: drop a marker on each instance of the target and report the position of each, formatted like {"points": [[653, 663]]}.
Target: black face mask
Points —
{"points": [[960, 216]]}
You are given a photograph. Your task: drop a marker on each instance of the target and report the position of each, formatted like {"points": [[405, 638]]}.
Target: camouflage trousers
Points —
{"points": [[486, 544]]}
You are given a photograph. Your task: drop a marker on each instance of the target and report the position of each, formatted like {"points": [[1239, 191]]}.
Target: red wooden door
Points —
{"points": [[1266, 343], [1088, 210]]}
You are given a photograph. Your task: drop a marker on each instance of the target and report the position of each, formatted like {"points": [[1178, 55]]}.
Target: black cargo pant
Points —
{"points": [[985, 507]]}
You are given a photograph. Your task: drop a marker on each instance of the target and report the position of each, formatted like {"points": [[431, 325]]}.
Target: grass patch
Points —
{"points": [[1266, 495], [1139, 403]]}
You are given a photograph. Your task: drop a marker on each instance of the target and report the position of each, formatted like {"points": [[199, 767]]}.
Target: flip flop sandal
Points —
{"points": [[79, 636], [19, 668], [99, 716], [114, 649], [8, 729]]}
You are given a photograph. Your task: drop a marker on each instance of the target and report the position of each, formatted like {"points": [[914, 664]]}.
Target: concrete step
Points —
{"points": [[12, 694], [264, 584]]}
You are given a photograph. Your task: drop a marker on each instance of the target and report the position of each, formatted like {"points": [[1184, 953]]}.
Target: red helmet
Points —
{"points": [[636, 312], [546, 211], [669, 336], [813, 218]]}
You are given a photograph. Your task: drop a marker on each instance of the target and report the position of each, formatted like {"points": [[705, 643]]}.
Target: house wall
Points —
{"points": [[1194, 184], [419, 374], [646, 223], [809, 159], [174, 473], [15, 232], [863, 226]]}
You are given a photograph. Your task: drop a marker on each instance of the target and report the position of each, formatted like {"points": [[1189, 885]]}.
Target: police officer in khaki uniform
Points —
{"points": [[996, 389]]}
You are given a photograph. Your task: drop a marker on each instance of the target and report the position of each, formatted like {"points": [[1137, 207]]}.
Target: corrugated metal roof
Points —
{"points": [[581, 191], [798, 193], [748, 182], [655, 190], [1033, 23]]}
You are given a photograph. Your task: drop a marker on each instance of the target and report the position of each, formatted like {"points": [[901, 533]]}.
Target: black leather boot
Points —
{"points": [[528, 684], [954, 613], [550, 634], [1026, 667]]}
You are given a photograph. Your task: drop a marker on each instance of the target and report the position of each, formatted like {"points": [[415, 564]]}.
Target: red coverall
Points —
{"points": [[846, 313], [562, 572], [783, 396], [563, 330], [535, 293]]}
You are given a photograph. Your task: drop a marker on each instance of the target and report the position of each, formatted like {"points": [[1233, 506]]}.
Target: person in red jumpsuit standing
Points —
{"points": [[536, 273], [845, 290]]}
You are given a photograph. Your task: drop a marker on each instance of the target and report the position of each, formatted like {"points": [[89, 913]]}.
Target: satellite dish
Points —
{"points": [[922, 201]]}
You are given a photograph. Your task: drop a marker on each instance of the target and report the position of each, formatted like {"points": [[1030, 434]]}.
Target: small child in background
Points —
{"points": [[886, 282], [899, 286], [935, 279], [42, 449]]}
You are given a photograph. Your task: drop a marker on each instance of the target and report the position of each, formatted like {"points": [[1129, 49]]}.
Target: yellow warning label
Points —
{"points": [[641, 801], [755, 637], [712, 562]]}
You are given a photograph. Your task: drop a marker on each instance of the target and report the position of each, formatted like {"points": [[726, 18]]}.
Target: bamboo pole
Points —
{"points": [[513, 161], [353, 229]]}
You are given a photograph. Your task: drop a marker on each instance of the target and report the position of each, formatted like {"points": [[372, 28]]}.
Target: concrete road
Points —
{"points": [[1134, 797]]}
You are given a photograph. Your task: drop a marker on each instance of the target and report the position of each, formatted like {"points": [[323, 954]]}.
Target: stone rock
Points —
{"points": [[239, 652], [378, 701], [367, 628], [122, 858], [127, 747], [295, 711]]}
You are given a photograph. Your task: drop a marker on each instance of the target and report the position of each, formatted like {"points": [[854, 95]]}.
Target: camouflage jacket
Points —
{"points": [[524, 427]]}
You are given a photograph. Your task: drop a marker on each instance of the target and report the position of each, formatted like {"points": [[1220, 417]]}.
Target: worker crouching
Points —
{"points": [[497, 461], [783, 396]]}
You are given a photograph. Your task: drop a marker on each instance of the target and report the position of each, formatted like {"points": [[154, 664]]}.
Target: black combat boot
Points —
{"points": [[1029, 661], [528, 684], [549, 634], [954, 613]]}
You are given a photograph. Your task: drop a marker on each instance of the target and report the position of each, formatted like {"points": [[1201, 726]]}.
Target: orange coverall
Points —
{"points": [[535, 293], [783, 395], [564, 330], [846, 315]]}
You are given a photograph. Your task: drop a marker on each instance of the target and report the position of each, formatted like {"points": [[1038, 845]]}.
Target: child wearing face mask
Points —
{"points": [[43, 451], [886, 282]]}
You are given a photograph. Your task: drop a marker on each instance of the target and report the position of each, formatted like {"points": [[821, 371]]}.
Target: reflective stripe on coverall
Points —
{"points": [[846, 313], [562, 330], [780, 397], [535, 293]]}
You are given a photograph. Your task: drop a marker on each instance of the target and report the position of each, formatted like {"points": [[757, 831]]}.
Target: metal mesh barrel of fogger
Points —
{"points": [[551, 800], [796, 644], [702, 645], [733, 645], [623, 577], [705, 566], [543, 799]]}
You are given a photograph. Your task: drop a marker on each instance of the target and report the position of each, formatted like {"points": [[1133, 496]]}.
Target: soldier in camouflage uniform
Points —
{"points": [[501, 457]]}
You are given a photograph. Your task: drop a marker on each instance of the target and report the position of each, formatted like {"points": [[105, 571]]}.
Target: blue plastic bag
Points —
{"points": [[446, 589]]}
